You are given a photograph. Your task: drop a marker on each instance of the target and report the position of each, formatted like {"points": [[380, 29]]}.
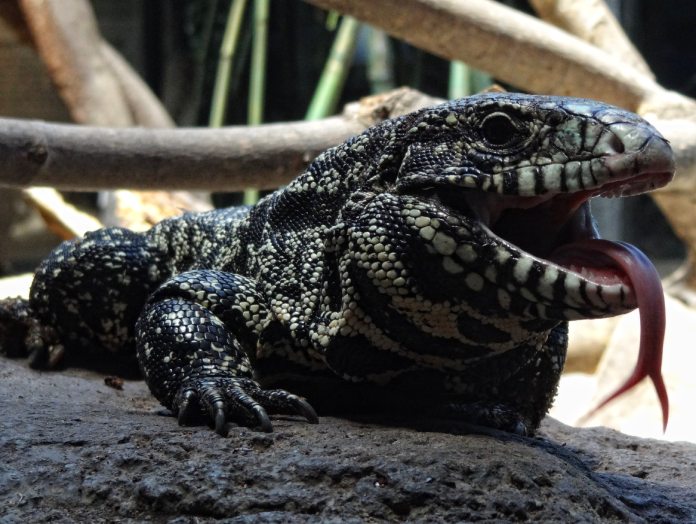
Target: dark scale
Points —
{"points": [[375, 280]]}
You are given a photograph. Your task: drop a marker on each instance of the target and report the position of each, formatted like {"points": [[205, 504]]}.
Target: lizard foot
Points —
{"points": [[22, 335], [239, 399]]}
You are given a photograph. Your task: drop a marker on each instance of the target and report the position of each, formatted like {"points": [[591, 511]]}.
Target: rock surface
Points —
{"points": [[75, 450]]}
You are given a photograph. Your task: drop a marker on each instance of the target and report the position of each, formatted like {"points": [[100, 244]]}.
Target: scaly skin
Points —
{"points": [[407, 269]]}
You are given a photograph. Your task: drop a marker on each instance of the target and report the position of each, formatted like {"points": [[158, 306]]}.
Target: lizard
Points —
{"points": [[428, 266]]}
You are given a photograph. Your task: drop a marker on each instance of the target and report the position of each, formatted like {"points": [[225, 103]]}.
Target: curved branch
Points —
{"points": [[593, 22], [510, 45], [67, 39], [146, 108]]}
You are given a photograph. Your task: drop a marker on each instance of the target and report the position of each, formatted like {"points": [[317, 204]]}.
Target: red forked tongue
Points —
{"points": [[646, 285]]}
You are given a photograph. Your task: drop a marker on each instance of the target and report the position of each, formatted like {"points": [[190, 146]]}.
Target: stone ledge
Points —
{"points": [[75, 450]]}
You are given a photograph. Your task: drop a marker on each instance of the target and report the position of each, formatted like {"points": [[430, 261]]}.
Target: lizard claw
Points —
{"points": [[45, 356], [187, 407], [305, 409], [221, 400], [280, 401], [221, 427], [264, 420]]}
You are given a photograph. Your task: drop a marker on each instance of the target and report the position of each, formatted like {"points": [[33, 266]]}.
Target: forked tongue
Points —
{"points": [[645, 282]]}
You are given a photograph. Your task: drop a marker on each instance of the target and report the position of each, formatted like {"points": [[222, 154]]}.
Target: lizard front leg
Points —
{"points": [[191, 339]]}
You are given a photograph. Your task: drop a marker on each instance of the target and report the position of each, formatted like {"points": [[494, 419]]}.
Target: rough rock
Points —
{"points": [[73, 449]]}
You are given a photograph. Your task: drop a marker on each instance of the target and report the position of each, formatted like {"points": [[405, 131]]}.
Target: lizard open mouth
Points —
{"points": [[548, 226], [559, 229]]}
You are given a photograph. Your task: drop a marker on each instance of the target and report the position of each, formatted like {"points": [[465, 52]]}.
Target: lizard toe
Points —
{"points": [[23, 335], [221, 426], [220, 401], [186, 407], [240, 394], [46, 356], [282, 402]]}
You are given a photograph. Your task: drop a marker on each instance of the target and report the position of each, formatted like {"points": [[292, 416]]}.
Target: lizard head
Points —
{"points": [[519, 172], [490, 204]]}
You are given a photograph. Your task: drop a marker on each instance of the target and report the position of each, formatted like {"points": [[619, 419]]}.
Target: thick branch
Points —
{"points": [[91, 158], [225, 159], [96, 83], [68, 40], [64, 219], [510, 45], [593, 22]]}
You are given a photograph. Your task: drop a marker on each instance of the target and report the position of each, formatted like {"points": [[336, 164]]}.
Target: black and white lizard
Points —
{"points": [[427, 265]]}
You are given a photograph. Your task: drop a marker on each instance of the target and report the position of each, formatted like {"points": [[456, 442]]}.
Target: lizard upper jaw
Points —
{"points": [[540, 223]]}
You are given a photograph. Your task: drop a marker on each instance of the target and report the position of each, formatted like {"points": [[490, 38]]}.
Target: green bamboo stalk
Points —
{"points": [[380, 62], [479, 80], [200, 56], [332, 18], [257, 80], [465, 80], [459, 80], [335, 71], [218, 106]]}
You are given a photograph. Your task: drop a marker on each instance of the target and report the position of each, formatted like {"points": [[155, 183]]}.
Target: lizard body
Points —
{"points": [[410, 268]]}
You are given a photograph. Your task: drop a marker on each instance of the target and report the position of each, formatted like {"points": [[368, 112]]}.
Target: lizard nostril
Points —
{"points": [[610, 143], [616, 144]]}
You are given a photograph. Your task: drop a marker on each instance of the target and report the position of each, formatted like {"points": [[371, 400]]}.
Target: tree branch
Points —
{"points": [[510, 45], [83, 80], [84, 158], [146, 108], [593, 22]]}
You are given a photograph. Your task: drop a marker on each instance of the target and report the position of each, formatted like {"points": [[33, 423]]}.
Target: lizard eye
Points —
{"points": [[498, 129]]}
